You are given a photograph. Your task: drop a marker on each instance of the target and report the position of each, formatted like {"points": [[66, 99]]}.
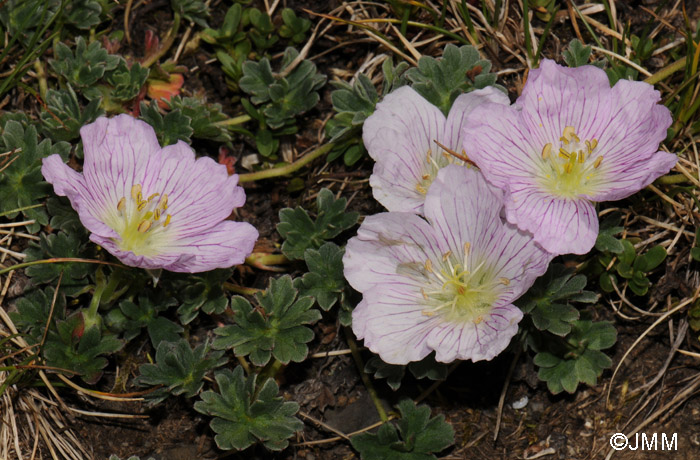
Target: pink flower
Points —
{"points": [[153, 207], [446, 284], [400, 136], [568, 141]]}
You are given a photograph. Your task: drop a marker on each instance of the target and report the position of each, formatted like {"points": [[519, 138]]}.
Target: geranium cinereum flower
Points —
{"points": [[446, 284], [569, 140], [153, 207], [400, 136]]}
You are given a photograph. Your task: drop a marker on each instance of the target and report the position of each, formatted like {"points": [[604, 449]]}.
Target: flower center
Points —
{"points": [[573, 169], [434, 163], [140, 220], [457, 290]]}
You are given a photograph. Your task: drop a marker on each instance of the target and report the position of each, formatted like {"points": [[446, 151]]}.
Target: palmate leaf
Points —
{"points": [[204, 292], [126, 81], [301, 233], [144, 313], [63, 116], [21, 183], [179, 368], [418, 436], [242, 418], [172, 127], [394, 373], [203, 116], [325, 281], [276, 329], [72, 348], [86, 66], [459, 70], [33, 309]]}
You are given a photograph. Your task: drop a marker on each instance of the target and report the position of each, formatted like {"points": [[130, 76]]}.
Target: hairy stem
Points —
{"points": [[288, 169]]}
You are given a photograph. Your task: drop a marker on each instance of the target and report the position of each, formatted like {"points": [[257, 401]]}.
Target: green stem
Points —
{"points": [[167, 43], [365, 378], [241, 289], [56, 260], [267, 372], [20, 209], [239, 120], [666, 71], [258, 258], [41, 76], [672, 180], [288, 169]]}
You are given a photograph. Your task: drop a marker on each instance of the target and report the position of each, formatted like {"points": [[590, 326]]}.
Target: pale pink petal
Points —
{"points": [[462, 107]]}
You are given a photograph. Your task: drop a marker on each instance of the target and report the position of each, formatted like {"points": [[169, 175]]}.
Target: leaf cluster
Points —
{"points": [[276, 99], [244, 416], [415, 436], [394, 373], [300, 232], [131, 317], [276, 327], [179, 369], [195, 11], [460, 70], [21, 182]]}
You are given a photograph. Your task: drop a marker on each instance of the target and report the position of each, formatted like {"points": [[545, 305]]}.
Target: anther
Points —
{"points": [[446, 255], [428, 155], [426, 176], [156, 214], [594, 144], [461, 290], [467, 247], [568, 168], [425, 296], [141, 205], [581, 156], [504, 281], [427, 313], [167, 220], [144, 226], [429, 266], [563, 153], [153, 196], [478, 319], [569, 132], [122, 204], [597, 162], [546, 151], [135, 191], [421, 189]]}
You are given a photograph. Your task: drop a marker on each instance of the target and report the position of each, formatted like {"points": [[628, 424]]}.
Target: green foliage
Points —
{"points": [[275, 328], [33, 310], [548, 299], [418, 436], [606, 241], [578, 358], [244, 416], [78, 349], [63, 116], [172, 127], [204, 292], [24, 18], [126, 82], [131, 317], [196, 11], [21, 183], [262, 28], [394, 373], [60, 244], [179, 368], [294, 28], [325, 280], [82, 14], [277, 100], [203, 118], [84, 68], [633, 267], [577, 54], [301, 233], [695, 250], [459, 71], [63, 216]]}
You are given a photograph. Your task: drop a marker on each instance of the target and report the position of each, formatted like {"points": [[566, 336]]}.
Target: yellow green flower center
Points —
{"points": [[573, 169], [458, 291], [139, 220], [435, 162]]}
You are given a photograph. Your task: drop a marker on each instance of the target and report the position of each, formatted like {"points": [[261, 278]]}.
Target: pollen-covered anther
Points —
{"points": [[478, 319], [122, 204], [504, 281], [546, 151], [428, 265], [597, 162], [446, 256], [144, 226], [420, 189], [135, 191], [167, 220], [467, 247]]}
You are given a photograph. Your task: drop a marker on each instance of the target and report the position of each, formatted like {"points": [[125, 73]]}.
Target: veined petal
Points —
{"points": [[398, 136], [559, 225], [462, 107], [387, 244]]}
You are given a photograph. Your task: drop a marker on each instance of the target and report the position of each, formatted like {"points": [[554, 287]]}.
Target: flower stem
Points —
{"points": [[233, 121], [288, 169], [56, 260], [666, 72], [241, 289], [672, 179], [365, 378], [24, 208], [167, 43]]}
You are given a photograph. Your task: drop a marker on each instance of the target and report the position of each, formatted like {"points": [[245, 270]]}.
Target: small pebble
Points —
{"points": [[520, 403]]}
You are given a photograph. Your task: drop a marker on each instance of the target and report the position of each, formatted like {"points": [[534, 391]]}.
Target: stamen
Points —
{"points": [[144, 226], [563, 153], [141, 205], [428, 264], [153, 196], [163, 203], [594, 144], [426, 176], [427, 313], [139, 197], [467, 247], [546, 151], [425, 296], [421, 189], [446, 255], [135, 191], [581, 156], [568, 132], [167, 220], [478, 319], [156, 214], [428, 156], [504, 281], [122, 204], [598, 161]]}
